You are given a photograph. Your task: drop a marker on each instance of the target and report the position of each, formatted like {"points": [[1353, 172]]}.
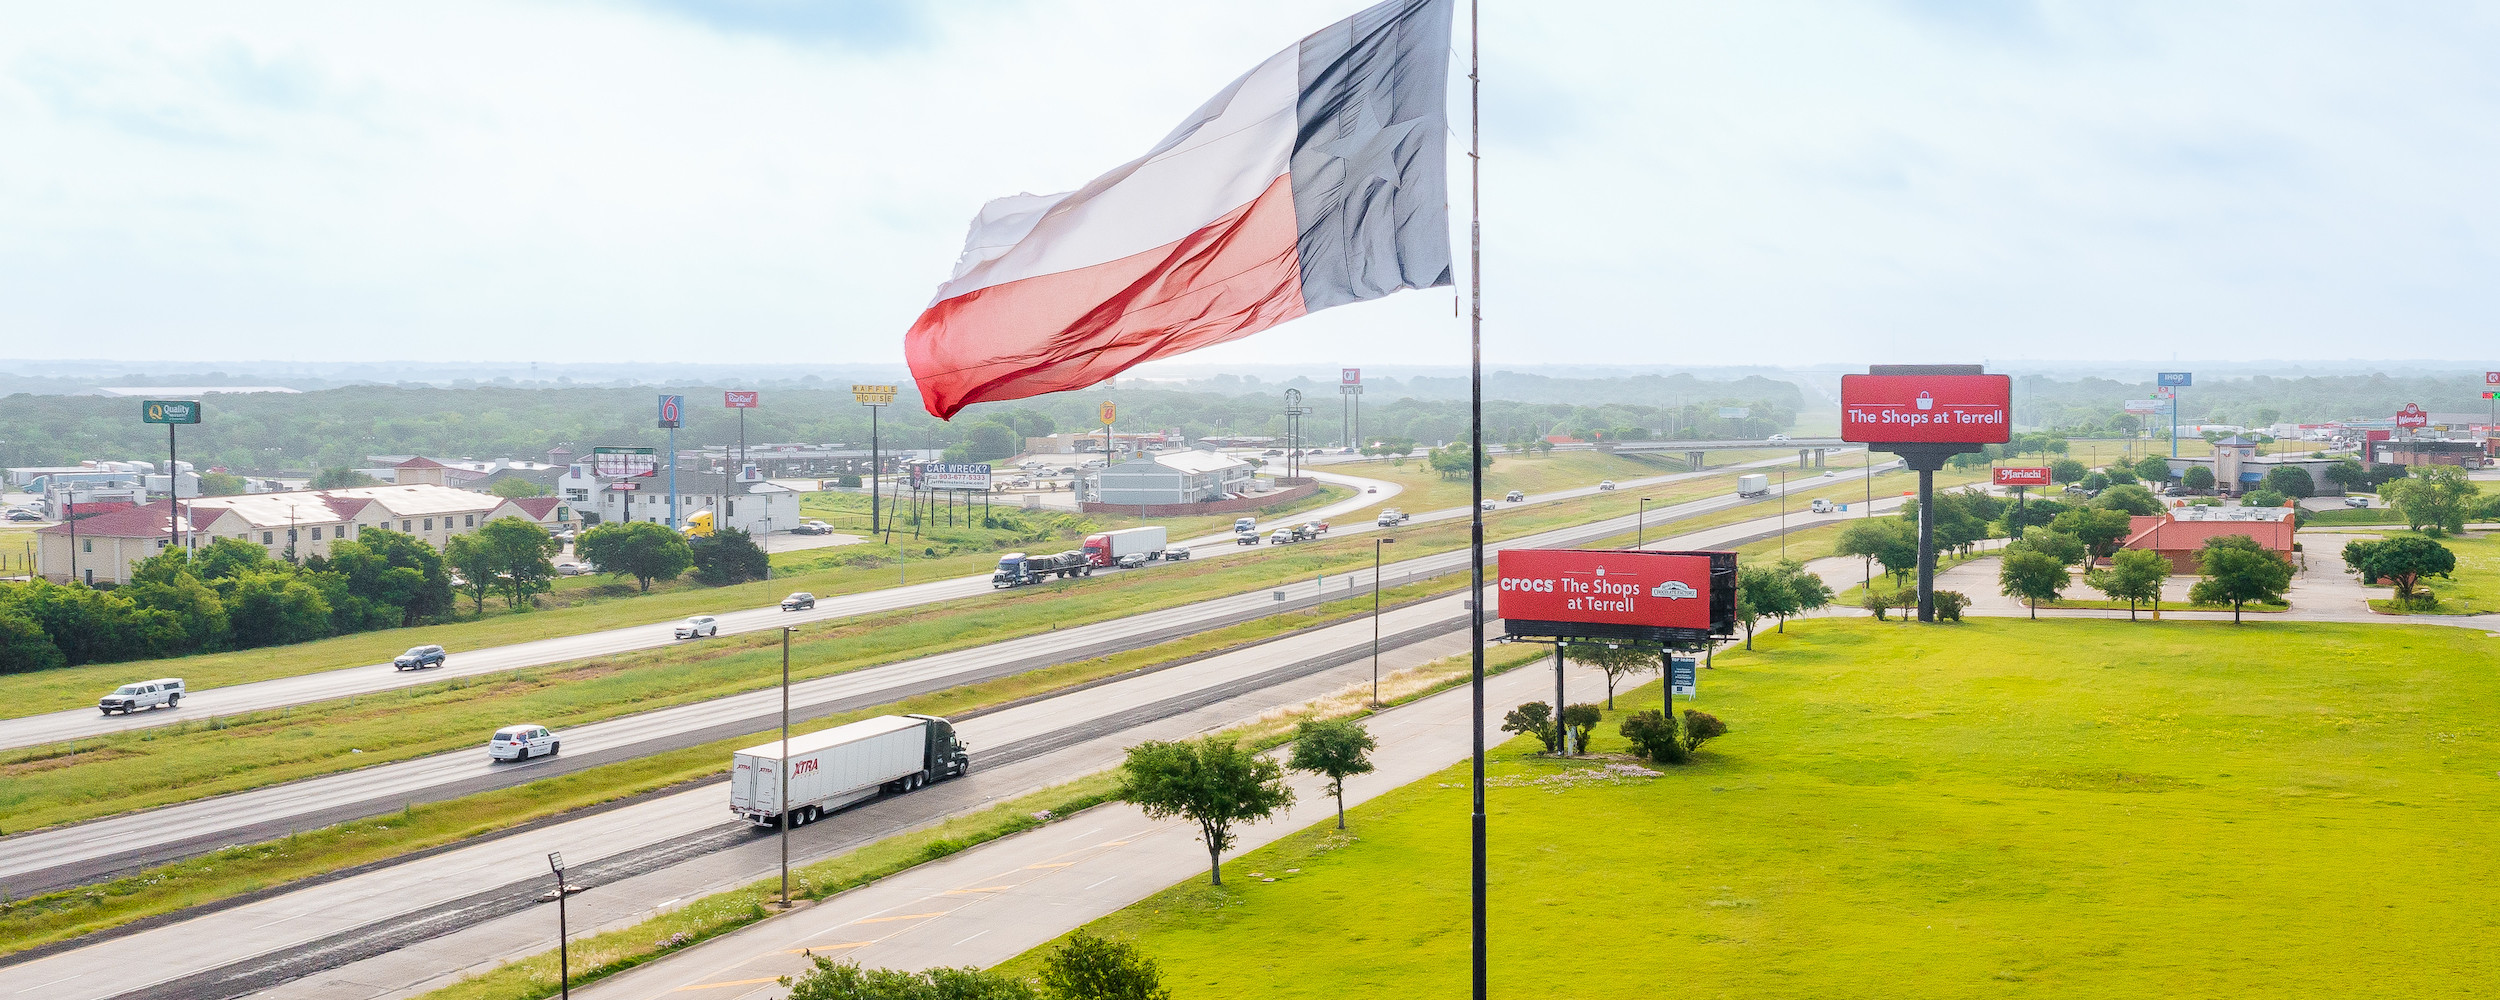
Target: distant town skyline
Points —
{"points": [[707, 183]]}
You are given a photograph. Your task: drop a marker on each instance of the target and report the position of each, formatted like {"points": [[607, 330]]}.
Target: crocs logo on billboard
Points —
{"points": [[1606, 587], [1927, 409]]}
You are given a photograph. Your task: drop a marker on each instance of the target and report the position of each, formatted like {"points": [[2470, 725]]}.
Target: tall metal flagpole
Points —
{"points": [[1475, 456]]}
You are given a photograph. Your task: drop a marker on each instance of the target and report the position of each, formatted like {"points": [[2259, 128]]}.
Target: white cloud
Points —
{"points": [[1687, 183]]}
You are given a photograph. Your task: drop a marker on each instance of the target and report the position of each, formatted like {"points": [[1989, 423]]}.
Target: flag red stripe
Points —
{"points": [[1056, 332]]}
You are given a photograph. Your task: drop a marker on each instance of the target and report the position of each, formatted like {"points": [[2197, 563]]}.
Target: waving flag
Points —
{"points": [[1314, 180]]}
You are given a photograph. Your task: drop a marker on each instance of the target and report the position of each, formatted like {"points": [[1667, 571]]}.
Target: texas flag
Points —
{"points": [[1314, 180]]}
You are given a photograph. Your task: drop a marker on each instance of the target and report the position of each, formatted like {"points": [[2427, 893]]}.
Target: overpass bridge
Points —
{"points": [[1810, 451]]}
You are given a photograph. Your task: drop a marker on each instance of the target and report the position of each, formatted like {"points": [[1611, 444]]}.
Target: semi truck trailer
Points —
{"points": [[833, 768], [1753, 485], [1109, 547], [1016, 569]]}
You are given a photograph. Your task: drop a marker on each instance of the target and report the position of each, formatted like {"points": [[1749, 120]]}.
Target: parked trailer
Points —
{"points": [[1754, 485], [1015, 569], [1109, 547], [837, 767]]}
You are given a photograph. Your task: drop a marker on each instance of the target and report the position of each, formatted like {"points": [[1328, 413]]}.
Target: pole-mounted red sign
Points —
{"points": [[2413, 416], [737, 400], [1926, 409], [2017, 475]]}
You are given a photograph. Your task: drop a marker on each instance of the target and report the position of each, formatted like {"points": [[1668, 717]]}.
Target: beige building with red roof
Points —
{"points": [[294, 525]]}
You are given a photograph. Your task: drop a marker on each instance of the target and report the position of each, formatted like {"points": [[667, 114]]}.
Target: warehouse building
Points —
{"points": [[1181, 477]]}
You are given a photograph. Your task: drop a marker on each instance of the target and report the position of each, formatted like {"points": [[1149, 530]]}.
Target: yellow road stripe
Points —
{"points": [[907, 916], [741, 982], [986, 888]]}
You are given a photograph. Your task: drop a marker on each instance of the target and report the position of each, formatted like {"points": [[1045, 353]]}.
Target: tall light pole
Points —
{"points": [[1376, 544], [1640, 525], [564, 956], [785, 764], [1783, 513]]}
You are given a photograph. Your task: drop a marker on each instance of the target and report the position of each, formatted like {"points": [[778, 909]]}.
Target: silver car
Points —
{"points": [[698, 627]]}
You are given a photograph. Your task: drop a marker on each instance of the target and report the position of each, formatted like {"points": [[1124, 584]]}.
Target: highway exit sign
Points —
{"points": [[170, 411]]}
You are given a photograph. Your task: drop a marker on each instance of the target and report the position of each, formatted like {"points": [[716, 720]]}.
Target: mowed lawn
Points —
{"points": [[2473, 588], [1998, 809]]}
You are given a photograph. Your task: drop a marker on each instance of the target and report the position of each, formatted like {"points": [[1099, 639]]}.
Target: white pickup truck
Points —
{"points": [[162, 693]]}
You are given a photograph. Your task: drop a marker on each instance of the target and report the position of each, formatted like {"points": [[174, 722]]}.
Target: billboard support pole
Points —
{"points": [[1927, 545], [1475, 489], [1562, 733], [873, 467]]}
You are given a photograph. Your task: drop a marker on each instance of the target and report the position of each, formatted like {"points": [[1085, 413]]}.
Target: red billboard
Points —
{"points": [[1926, 409], [2413, 415], [2017, 475], [737, 400], [1613, 589]]}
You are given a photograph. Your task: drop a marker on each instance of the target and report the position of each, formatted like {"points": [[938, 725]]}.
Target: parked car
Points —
{"points": [[1273, 451], [2356, 502], [24, 515], [161, 693], [801, 601], [418, 658], [1606, 484], [812, 527], [522, 742], [698, 627], [1516, 496], [574, 569]]}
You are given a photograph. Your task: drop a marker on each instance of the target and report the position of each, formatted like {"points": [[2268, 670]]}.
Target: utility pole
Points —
{"points": [[672, 411], [1376, 544], [785, 764]]}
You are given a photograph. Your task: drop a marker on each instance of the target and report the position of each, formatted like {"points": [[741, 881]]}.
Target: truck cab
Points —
{"points": [[948, 757], [1245, 526], [1010, 571]]}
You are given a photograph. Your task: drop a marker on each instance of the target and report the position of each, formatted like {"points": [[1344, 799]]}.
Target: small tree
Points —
{"points": [[2031, 576], [1806, 592], [1761, 592], [1880, 539], [523, 557], [2349, 476], [2099, 529], [2096, 482], [2066, 549], [222, 484], [1616, 661], [2262, 497], [729, 556], [2383, 473], [1950, 604], [341, 477], [1211, 781], [1701, 727], [2291, 482], [2237, 570], [2197, 477], [1534, 717], [1335, 749], [2067, 470], [643, 550], [2401, 562], [1085, 967], [2134, 576], [515, 488], [477, 563], [2434, 502], [1578, 722], [2154, 469], [2134, 500], [830, 980]]}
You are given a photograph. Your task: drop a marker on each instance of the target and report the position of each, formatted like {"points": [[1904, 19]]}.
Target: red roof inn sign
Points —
{"points": [[1926, 409]]}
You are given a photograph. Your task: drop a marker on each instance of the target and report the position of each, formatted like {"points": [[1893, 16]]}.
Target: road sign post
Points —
{"points": [[2174, 381], [672, 413], [741, 402], [172, 413], [874, 397]]}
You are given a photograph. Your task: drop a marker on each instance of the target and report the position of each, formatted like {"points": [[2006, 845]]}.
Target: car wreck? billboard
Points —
{"points": [[1671, 597]]}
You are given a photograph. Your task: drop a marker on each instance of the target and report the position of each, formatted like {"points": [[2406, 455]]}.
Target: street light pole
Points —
{"points": [[1783, 513], [1376, 544], [564, 955], [785, 764]]}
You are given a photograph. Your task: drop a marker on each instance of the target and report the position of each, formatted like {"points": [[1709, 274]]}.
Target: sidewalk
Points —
{"points": [[991, 903]]}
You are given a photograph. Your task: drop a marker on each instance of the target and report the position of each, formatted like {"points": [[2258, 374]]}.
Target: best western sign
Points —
{"points": [[2019, 476], [1926, 409], [1554, 590]]}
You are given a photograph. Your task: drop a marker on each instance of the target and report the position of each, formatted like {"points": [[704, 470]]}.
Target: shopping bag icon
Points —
{"points": [[1926, 402]]}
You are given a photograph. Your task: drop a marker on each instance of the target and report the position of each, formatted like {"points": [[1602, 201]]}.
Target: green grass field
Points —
{"points": [[1997, 809], [2475, 589]]}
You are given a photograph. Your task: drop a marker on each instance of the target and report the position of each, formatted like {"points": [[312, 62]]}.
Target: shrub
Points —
{"points": [[1950, 604], [1534, 717], [1653, 735], [1701, 727], [1089, 968], [1578, 722]]}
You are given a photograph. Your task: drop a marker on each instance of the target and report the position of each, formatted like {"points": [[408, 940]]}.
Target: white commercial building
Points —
{"points": [[1181, 477], [747, 502]]}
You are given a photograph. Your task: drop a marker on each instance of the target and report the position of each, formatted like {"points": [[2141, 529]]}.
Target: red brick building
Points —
{"points": [[2179, 533]]}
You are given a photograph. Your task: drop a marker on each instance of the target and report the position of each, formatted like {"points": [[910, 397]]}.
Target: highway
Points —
{"points": [[72, 724], [412, 924], [81, 853]]}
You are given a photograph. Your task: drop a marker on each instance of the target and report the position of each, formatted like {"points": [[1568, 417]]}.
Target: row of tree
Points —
{"points": [[230, 594], [2232, 569]]}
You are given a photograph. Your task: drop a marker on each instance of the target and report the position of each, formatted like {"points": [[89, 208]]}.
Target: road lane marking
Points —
{"points": [[63, 979], [986, 888], [1099, 883], [906, 916], [1051, 864], [960, 944], [734, 982], [827, 947]]}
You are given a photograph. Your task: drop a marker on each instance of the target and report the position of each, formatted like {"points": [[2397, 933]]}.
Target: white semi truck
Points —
{"points": [[1753, 485], [837, 767]]}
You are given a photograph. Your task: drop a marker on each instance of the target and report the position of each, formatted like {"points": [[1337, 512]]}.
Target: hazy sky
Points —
{"points": [[1702, 183]]}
